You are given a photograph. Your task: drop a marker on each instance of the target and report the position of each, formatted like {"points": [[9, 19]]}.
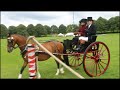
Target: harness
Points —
{"points": [[55, 52], [23, 52]]}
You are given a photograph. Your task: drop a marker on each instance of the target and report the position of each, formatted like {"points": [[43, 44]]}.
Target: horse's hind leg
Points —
{"points": [[22, 69]]}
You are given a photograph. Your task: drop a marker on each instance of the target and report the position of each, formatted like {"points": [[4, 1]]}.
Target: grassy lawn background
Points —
{"points": [[11, 62]]}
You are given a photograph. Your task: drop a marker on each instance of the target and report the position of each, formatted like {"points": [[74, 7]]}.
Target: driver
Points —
{"points": [[90, 30]]}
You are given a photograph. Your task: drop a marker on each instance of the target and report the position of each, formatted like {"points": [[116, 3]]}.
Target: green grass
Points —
{"points": [[11, 62]]}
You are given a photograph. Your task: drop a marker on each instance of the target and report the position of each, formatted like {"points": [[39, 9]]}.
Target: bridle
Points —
{"points": [[11, 41], [25, 46]]}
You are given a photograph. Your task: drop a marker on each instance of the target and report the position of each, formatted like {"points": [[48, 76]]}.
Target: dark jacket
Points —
{"points": [[90, 31]]}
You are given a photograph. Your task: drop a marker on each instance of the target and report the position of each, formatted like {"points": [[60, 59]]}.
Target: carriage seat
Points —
{"points": [[92, 38], [68, 43]]}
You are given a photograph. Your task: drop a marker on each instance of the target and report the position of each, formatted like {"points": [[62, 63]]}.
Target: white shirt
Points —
{"points": [[89, 26]]}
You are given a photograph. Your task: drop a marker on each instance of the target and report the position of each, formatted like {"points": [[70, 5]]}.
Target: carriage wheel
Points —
{"points": [[75, 59], [96, 59]]}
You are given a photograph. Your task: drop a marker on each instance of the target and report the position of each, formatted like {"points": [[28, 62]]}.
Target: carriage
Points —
{"points": [[94, 55]]}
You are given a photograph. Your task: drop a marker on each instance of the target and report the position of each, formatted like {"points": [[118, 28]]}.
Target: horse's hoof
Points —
{"points": [[20, 76], [62, 72], [57, 74], [39, 77]]}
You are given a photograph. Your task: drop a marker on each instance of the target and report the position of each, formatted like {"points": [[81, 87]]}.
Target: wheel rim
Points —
{"points": [[96, 62]]}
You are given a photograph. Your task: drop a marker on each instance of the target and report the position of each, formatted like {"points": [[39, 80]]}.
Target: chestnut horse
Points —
{"points": [[52, 46]]}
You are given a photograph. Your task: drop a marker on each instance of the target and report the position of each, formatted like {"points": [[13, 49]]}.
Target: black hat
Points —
{"points": [[89, 19], [83, 20]]}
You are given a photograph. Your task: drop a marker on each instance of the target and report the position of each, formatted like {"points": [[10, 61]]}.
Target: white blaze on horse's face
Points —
{"points": [[10, 44]]}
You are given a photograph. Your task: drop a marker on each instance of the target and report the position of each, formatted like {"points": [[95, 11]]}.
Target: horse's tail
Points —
{"points": [[65, 57]]}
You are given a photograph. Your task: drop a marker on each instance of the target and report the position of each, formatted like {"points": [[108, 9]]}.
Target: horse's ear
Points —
{"points": [[9, 34]]}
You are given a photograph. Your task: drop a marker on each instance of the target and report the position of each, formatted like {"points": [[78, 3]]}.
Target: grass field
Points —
{"points": [[11, 62]]}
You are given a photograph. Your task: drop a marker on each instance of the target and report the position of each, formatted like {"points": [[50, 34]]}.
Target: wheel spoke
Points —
{"points": [[103, 59], [89, 56], [101, 49], [99, 67], [103, 55], [90, 63], [96, 69], [103, 62], [72, 61], [93, 69], [75, 63]]}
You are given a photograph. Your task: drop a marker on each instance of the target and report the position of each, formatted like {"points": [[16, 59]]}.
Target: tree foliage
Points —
{"points": [[3, 31], [54, 29], [31, 29], [103, 26], [21, 29], [62, 29], [12, 29]]}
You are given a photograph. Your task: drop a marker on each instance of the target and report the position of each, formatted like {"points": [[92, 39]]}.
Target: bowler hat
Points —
{"points": [[83, 20]]}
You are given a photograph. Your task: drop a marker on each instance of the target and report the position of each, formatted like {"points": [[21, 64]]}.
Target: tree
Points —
{"points": [[12, 29], [54, 29], [114, 23], [101, 25], [21, 29], [75, 27], [62, 29], [72, 28], [47, 29], [39, 30], [69, 28], [31, 29], [3, 31]]}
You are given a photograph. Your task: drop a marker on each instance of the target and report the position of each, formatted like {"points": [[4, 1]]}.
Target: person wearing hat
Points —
{"points": [[91, 30], [82, 25], [80, 32]]}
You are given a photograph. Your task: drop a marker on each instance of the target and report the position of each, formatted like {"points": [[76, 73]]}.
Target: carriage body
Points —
{"points": [[94, 55]]}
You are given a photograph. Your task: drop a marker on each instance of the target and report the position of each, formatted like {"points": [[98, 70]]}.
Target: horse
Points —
{"points": [[52, 46]]}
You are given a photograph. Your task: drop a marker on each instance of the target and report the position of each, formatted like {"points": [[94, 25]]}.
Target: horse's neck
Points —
{"points": [[22, 44]]}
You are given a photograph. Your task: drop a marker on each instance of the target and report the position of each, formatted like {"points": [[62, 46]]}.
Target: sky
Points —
{"points": [[51, 17]]}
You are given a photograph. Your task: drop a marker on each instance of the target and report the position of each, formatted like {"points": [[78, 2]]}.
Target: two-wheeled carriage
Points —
{"points": [[94, 55]]}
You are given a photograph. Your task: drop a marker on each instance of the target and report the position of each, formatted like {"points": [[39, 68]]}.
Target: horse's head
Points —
{"points": [[10, 42]]}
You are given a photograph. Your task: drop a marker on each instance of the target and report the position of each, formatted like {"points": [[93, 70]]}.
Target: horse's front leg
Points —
{"points": [[58, 68], [22, 69]]}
